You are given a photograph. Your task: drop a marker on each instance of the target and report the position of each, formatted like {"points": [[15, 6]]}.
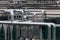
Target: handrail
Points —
{"points": [[34, 23], [25, 22]]}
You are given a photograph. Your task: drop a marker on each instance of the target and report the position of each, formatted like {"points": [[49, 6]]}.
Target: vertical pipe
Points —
{"points": [[0, 30], [32, 33], [5, 28], [40, 33], [49, 33], [54, 33], [11, 28], [6, 32]]}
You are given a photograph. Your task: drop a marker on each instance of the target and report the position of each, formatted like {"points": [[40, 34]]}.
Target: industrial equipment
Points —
{"points": [[28, 30], [24, 29]]}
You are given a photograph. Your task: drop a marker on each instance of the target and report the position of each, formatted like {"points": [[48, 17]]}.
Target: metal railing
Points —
{"points": [[27, 30]]}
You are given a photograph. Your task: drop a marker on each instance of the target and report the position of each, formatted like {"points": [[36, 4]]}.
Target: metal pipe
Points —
{"points": [[54, 32], [5, 28], [11, 28], [49, 32], [40, 33]]}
